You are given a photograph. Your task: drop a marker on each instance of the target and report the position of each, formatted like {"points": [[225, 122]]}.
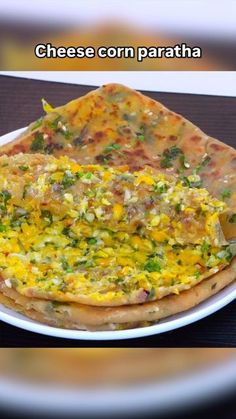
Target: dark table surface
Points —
{"points": [[20, 104]]}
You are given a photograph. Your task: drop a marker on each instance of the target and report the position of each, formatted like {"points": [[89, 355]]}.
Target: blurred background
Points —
{"points": [[117, 382], [207, 23]]}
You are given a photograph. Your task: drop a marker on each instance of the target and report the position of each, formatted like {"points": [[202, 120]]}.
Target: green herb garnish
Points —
{"points": [[183, 162], [112, 147], [54, 124], [226, 193], [151, 294], [232, 218], [47, 215], [205, 248], [66, 231], [178, 207], [38, 142], [152, 265], [5, 196], [191, 183], [203, 163], [168, 155], [65, 266], [37, 124], [24, 168], [68, 180], [159, 187], [92, 240], [78, 175], [140, 137]]}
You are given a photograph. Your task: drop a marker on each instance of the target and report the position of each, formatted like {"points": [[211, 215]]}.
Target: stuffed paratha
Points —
{"points": [[116, 126], [104, 236], [81, 316]]}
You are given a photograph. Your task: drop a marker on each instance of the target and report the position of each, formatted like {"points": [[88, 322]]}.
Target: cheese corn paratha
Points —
{"points": [[84, 317], [104, 236], [116, 126]]}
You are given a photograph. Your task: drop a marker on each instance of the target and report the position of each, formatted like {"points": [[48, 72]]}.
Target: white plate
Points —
{"points": [[211, 305]]}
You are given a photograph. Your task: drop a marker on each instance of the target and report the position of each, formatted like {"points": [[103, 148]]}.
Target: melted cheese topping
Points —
{"points": [[102, 235]]}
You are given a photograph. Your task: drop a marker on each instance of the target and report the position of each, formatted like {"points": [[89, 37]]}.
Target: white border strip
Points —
{"points": [[220, 83]]}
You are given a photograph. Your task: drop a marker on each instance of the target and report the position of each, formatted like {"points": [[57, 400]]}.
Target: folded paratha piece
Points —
{"points": [[116, 125]]}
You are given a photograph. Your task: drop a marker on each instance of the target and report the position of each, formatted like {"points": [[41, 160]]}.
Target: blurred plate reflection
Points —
{"points": [[105, 381]]}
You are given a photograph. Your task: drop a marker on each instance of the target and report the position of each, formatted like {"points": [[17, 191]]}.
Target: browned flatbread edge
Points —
{"points": [[88, 317]]}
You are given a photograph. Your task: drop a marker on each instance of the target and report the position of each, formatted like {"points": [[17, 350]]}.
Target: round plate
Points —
{"points": [[209, 306]]}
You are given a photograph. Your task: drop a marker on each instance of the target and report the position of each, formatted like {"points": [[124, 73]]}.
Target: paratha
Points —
{"points": [[104, 236], [116, 126], [84, 317]]}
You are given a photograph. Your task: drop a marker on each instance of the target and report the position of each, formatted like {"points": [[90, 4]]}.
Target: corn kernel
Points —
{"points": [[117, 211]]}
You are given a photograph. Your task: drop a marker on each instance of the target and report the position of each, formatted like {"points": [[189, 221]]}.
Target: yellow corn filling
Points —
{"points": [[70, 231]]}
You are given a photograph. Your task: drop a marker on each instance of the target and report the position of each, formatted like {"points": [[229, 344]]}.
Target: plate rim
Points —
{"points": [[184, 318]]}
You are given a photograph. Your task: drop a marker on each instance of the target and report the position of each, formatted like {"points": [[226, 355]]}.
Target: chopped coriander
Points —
{"points": [[88, 175], [170, 154], [47, 215], [67, 134], [178, 207], [205, 160], [24, 168], [197, 274], [159, 187], [226, 193], [152, 265], [74, 242], [225, 254], [111, 147], [205, 247], [229, 254], [183, 162], [54, 124], [69, 233], [37, 124], [66, 231], [197, 183], [92, 240], [38, 142], [140, 136], [5, 196], [232, 218], [68, 180], [65, 266], [78, 174], [151, 294], [2, 228]]}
